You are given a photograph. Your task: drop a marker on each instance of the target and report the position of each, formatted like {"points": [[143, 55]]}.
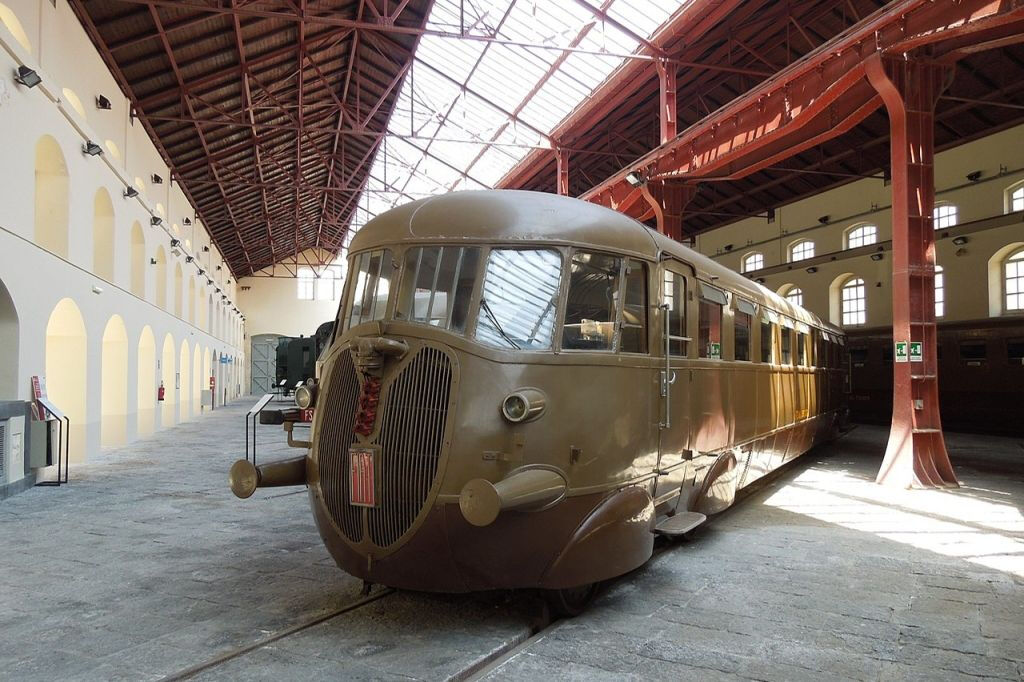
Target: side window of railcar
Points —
{"points": [[634, 308], [801, 349], [437, 283], [591, 305], [787, 344], [674, 296], [519, 298], [1015, 351], [372, 286], [743, 320], [709, 321], [767, 339]]}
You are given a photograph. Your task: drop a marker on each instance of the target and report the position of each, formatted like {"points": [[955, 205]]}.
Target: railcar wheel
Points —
{"points": [[571, 601]]}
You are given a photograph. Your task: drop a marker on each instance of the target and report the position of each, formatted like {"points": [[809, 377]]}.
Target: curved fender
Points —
{"points": [[718, 491], [613, 539]]}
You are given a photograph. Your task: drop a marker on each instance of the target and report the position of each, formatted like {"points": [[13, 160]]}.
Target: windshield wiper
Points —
{"points": [[497, 325]]}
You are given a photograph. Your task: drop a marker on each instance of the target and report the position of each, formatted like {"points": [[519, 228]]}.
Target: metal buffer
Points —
{"points": [[916, 455]]}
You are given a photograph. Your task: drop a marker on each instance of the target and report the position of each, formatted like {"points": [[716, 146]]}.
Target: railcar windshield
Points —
{"points": [[519, 298], [372, 271], [437, 283]]}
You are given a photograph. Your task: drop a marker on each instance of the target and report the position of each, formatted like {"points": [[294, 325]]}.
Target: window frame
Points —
{"points": [[304, 281], [936, 218], [713, 290], [853, 282], [940, 291], [753, 254], [1016, 257], [685, 339], [854, 229], [463, 251], [798, 244], [561, 293], [1008, 197], [795, 291]]}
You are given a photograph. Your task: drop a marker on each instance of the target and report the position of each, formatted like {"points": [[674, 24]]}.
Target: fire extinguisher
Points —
{"points": [[160, 392]]}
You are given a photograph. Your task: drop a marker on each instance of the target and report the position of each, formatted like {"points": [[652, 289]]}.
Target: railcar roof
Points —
{"points": [[488, 216]]}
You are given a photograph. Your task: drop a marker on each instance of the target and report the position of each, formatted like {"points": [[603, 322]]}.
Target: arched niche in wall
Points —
{"points": [[179, 284], [103, 235], [160, 268], [9, 19], [184, 412], [167, 357], [209, 314], [51, 197], [202, 310], [191, 299], [206, 369], [66, 361], [9, 341], [138, 277], [146, 383], [197, 381], [114, 383]]}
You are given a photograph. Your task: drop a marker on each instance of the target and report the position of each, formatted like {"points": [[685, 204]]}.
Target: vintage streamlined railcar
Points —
{"points": [[523, 389]]}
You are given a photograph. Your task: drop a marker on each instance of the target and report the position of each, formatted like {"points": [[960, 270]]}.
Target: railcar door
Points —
{"points": [[677, 281]]}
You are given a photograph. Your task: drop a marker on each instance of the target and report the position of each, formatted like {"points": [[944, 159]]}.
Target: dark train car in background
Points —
{"points": [[981, 375], [297, 355]]}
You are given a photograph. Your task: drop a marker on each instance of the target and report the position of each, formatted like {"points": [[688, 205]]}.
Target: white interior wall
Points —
{"points": [[37, 279]]}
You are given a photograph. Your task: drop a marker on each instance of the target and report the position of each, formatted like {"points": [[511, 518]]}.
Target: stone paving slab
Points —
{"points": [[147, 565], [820, 574]]}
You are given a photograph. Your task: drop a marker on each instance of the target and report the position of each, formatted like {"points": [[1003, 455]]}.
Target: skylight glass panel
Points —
{"points": [[473, 107]]}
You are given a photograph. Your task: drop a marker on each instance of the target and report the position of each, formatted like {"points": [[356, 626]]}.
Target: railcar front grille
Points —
{"points": [[413, 417], [413, 412], [337, 434]]}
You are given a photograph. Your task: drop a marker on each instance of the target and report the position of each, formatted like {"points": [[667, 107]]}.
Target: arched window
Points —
{"points": [[861, 235], [1013, 281], [753, 261], [801, 250], [853, 302], [795, 296], [306, 284], [328, 288], [10, 20], [940, 292], [1015, 198], [944, 215]]}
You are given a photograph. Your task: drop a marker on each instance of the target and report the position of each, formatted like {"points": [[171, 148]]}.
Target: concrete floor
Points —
{"points": [[146, 567]]}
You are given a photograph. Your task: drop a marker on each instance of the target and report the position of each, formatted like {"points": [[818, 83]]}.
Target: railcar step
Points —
{"points": [[679, 524]]}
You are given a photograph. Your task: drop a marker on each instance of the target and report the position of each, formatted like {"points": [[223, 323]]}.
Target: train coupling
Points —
{"points": [[530, 488], [245, 477]]}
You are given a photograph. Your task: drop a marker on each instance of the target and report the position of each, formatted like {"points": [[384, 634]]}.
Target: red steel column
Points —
{"points": [[667, 100], [915, 456], [562, 165]]}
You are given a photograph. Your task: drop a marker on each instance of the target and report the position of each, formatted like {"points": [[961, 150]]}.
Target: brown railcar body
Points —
{"points": [[981, 375], [620, 429]]}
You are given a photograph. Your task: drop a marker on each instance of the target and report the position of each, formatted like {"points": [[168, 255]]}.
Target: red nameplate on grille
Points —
{"points": [[362, 476], [306, 414]]}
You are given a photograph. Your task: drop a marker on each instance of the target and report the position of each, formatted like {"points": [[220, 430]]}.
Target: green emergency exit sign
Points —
{"points": [[901, 351], [916, 351]]}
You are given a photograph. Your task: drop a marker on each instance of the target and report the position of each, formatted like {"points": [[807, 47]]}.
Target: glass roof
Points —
{"points": [[470, 109]]}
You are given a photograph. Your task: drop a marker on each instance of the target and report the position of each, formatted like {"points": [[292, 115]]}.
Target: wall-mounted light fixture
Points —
{"points": [[771, 215], [824, 219], [175, 242], [727, 247], [218, 267], [152, 261], [27, 77], [209, 281], [155, 221], [812, 270], [157, 180], [206, 249], [961, 240], [974, 176], [201, 271], [876, 256], [634, 178], [90, 148], [760, 280], [189, 259], [187, 221], [103, 103], [130, 192]]}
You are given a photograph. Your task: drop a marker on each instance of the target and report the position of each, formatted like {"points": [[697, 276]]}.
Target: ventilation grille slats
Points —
{"points": [[337, 434]]}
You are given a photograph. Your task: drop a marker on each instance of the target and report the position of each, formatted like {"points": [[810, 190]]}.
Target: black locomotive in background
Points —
{"points": [[297, 355], [981, 375]]}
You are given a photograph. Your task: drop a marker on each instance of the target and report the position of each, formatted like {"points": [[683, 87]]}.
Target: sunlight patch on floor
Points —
{"points": [[956, 523]]}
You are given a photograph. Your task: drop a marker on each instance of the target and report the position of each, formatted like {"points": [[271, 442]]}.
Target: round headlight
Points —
{"points": [[523, 405], [305, 396], [515, 408]]}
